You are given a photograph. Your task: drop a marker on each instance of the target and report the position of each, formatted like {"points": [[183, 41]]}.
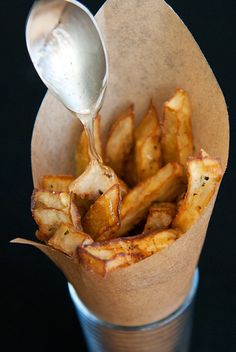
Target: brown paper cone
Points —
{"points": [[151, 53]]}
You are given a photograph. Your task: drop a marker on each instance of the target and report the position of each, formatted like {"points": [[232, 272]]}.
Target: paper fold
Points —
{"points": [[151, 53]]}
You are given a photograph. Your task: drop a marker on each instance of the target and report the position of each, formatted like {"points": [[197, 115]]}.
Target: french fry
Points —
{"points": [[50, 209], [204, 174], [48, 221], [148, 157], [165, 186], [46, 199], [109, 255], [147, 125], [93, 182], [120, 142], [177, 140], [147, 145], [103, 219], [82, 158], [56, 183], [66, 239], [76, 212], [160, 216]]}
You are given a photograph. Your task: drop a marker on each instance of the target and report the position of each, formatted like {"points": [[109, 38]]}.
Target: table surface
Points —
{"points": [[35, 309]]}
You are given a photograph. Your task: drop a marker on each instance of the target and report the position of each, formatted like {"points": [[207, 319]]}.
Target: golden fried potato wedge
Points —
{"points": [[49, 210], [177, 140], [120, 142], [148, 125], [57, 183], [109, 255], [66, 239], [82, 158], [204, 174], [103, 219], [93, 182], [46, 199], [147, 145], [70, 204], [48, 221], [148, 157], [160, 216], [76, 211], [165, 186]]}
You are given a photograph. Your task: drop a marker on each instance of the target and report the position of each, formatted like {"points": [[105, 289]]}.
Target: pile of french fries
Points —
{"points": [[158, 191]]}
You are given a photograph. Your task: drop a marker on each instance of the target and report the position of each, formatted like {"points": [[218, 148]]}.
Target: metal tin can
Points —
{"points": [[171, 334]]}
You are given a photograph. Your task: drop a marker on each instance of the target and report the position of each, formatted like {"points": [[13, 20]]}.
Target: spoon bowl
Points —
{"points": [[67, 50]]}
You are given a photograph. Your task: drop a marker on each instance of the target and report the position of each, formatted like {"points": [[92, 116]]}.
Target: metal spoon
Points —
{"points": [[67, 50]]}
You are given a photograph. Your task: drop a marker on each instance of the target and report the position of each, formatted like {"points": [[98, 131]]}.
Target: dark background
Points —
{"points": [[35, 309]]}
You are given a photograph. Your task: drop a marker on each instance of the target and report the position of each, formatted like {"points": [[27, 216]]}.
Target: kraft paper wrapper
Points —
{"points": [[151, 53]]}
